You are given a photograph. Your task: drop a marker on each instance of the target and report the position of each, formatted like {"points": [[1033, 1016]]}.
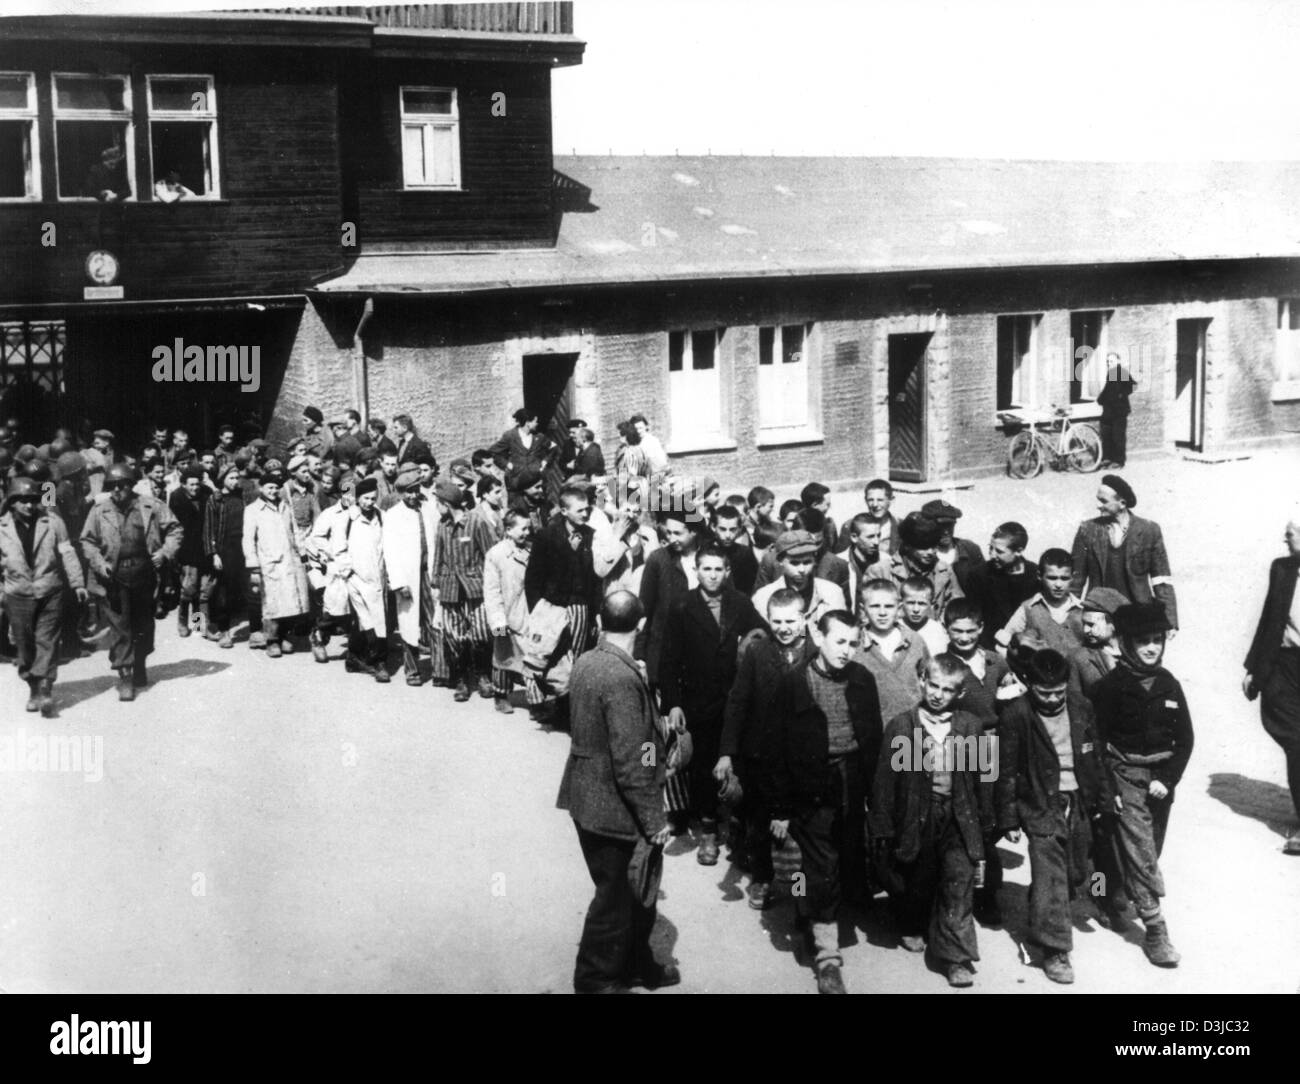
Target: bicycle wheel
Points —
{"points": [[1083, 449], [1024, 457]]}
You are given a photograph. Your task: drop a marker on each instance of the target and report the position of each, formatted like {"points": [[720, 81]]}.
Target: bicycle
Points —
{"points": [[1077, 447]]}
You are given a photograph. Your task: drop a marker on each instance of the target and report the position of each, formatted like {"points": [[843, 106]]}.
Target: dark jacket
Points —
{"points": [[1145, 722], [512, 457], [662, 583], [1029, 773], [559, 573], [1146, 562], [590, 461], [801, 776], [999, 595], [610, 785], [900, 799], [189, 513], [698, 665], [744, 567], [748, 720], [412, 450], [980, 697], [1114, 395], [969, 557], [1273, 618]]}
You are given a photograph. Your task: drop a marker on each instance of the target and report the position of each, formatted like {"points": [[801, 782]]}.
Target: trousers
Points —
{"points": [[34, 625], [1139, 835], [130, 614], [1058, 870], [939, 889], [615, 943]]}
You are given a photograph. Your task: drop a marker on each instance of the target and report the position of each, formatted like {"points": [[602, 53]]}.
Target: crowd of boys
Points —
{"points": [[882, 693]]}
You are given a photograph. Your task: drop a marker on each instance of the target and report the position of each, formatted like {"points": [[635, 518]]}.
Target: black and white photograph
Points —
{"points": [[656, 498]]}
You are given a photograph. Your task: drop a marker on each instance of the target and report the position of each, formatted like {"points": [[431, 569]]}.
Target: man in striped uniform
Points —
{"points": [[462, 546]]}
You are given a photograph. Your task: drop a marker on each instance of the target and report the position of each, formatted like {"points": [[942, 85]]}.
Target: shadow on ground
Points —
{"points": [[1265, 802], [72, 693]]}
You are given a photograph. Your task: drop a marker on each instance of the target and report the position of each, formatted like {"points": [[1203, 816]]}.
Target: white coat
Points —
{"points": [[269, 548], [361, 564], [402, 560]]}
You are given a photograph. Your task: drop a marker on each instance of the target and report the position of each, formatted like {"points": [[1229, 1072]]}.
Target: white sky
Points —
{"points": [[994, 78]]}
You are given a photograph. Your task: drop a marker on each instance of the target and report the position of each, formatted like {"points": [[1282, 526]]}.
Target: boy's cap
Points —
{"points": [[1141, 619], [105, 434], [796, 544], [449, 493], [314, 414], [938, 509], [576, 423], [340, 420], [460, 468], [259, 443], [527, 478], [1104, 600], [296, 462], [1121, 489], [707, 484], [273, 476], [366, 485], [409, 477], [919, 531]]}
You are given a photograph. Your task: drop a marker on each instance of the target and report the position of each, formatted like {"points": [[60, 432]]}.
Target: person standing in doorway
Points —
{"points": [[1113, 401]]}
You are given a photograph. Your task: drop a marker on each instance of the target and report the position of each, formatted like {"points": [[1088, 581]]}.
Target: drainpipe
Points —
{"points": [[359, 383]]}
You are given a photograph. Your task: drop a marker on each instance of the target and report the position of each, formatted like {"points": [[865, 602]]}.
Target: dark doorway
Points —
{"points": [[1187, 423], [548, 390], [907, 407]]}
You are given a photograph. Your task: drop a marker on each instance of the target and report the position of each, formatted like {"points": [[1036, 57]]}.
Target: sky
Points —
{"points": [[1137, 79]]}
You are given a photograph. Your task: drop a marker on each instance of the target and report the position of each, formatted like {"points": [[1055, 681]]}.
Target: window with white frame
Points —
{"points": [[1088, 355], [19, 151], [183, 137], [93, 136], [430, 137], [1288, 339], [1017, 361], [695, 385], [784, 377]]}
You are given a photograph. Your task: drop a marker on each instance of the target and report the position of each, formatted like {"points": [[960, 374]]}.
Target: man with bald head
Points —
{"points": [[613, 787]]}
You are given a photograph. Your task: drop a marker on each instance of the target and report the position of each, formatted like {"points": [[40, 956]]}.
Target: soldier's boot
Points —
{"points": [[125, 689], [46, 698], [34, 697]]}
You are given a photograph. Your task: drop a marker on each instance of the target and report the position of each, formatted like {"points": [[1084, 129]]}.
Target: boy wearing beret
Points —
{"points": [[1142, 718]]}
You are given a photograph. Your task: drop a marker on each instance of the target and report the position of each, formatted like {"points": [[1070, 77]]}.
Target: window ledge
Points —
{"points": [[1285, 391], [703, 442], [795, 434]]}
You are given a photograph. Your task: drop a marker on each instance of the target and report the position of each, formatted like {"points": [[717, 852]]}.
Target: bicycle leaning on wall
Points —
{"points": [[1050, 439]]}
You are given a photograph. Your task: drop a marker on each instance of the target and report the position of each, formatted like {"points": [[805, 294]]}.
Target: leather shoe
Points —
{"points": [[662, 975], [707, 855], [461, 694], [829, 980], [1292, 845]]}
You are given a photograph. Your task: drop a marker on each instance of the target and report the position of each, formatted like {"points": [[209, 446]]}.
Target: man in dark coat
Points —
{"points": [[696, 674], [664, 580], [613, 788], [824, 750], [1120, 550], [1273, 665], [1115, 410]]}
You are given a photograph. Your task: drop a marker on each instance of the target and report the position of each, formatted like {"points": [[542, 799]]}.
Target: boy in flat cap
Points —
{"points": [[1100, 651], [1120, 550], [796, 555], [462, 547], [960, 554], [1142, 718]]}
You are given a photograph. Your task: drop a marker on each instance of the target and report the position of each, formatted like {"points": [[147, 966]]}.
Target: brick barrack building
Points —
{"points": [[377, 206]]}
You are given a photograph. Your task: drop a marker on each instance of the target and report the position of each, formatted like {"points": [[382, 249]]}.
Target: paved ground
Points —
{"points": [[267, 825]]}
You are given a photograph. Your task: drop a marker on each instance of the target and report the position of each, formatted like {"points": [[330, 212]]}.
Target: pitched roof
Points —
{"points": [[640, 219]]}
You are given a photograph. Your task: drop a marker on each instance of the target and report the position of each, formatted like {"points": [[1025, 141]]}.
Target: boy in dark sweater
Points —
{"points": [[1052, 786], [930, 808], [824, 748], [1143, 719], [1004, 581]]}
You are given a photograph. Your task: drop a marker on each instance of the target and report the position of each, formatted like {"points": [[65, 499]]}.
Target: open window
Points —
{"points": [[20, 177], [94, 137], [183, 137]]}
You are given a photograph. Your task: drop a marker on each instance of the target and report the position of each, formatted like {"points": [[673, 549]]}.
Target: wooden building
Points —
{"points": [[376, 205]]}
